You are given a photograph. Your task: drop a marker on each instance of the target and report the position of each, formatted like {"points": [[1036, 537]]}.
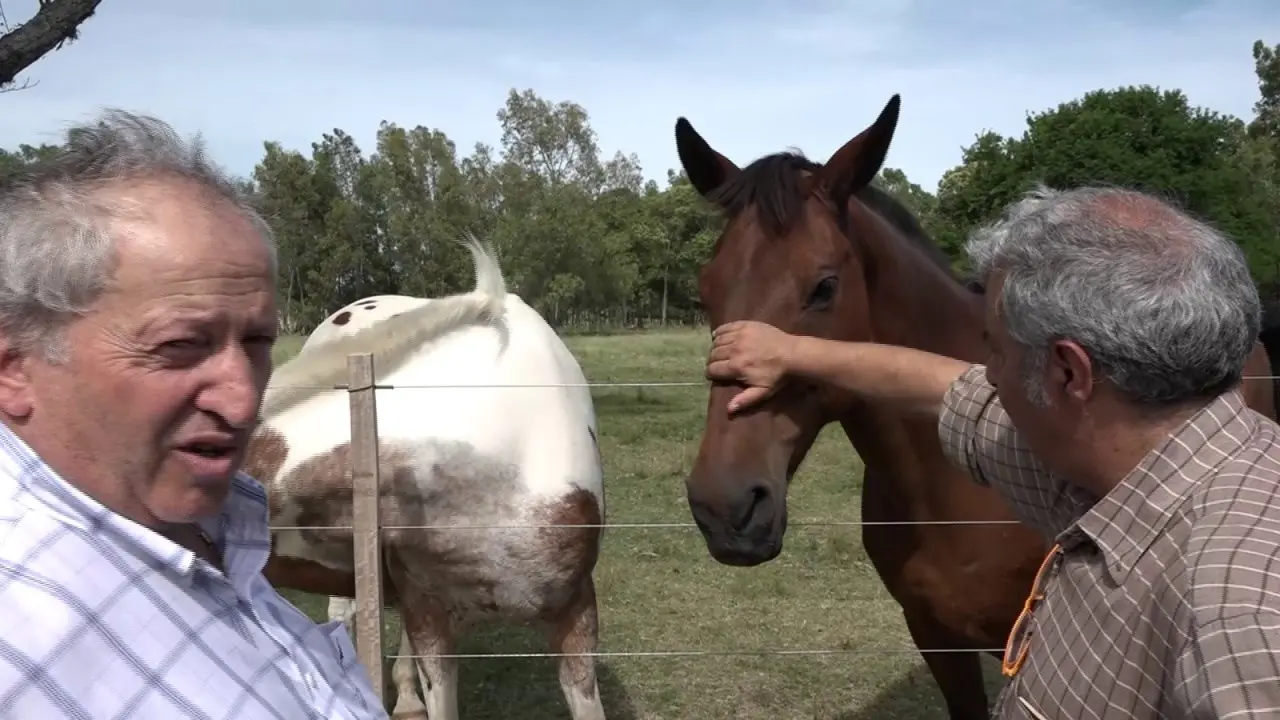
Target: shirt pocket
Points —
{"points": [[350, 681], [340, 637], [1018, 707]]}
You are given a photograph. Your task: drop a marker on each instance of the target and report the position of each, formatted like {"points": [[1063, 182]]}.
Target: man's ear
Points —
{"points": [[16, 396], [1071, 373]]}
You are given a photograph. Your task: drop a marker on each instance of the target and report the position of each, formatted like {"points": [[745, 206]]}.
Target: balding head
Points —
{"points": [[57, 250], [1163, 303]]}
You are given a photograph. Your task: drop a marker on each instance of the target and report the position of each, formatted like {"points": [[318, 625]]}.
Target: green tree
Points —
{"points": [[1266, 64], [1137, 137], [23, 156]]}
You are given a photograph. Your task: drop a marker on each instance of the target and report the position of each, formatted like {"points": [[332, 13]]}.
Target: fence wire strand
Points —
{"points": [[482, 386], [707, 653], [646, 526]]}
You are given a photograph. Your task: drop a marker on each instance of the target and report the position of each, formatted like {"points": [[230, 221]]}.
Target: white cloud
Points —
{"points": [[752, 77]]}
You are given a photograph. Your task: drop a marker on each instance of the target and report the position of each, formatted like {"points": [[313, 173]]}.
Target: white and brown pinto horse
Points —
{"points": [[507, 439]]}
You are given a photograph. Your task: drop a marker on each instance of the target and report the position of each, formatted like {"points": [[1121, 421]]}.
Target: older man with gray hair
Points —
{"points": [[1109, 416], [137, 317]]}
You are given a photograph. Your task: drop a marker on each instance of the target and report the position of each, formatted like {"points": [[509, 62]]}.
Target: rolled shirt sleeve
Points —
{"points": [[978, 437]]}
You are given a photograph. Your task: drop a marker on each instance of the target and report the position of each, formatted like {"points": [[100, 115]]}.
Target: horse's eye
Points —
{"points": [[823, 293]]}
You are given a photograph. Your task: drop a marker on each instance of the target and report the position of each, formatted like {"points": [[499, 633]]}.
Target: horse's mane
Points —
{"points": [[773, 184], [902, 219], [391, 341]]}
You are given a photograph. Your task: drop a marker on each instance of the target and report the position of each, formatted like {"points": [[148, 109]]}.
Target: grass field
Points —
{"points": [[659, 590]]}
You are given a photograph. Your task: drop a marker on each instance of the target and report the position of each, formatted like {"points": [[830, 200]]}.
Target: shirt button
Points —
{"points": [[310, 680]]}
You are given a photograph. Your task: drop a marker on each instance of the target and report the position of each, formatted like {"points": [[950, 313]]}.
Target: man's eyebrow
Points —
{"points": [[170, 318]]}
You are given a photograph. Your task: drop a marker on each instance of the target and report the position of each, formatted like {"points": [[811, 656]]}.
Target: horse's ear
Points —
{"points": [[706, 168], [853, 166]]}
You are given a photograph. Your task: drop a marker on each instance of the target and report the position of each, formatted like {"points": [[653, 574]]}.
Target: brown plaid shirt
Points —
{"points": [[1165, 602]]}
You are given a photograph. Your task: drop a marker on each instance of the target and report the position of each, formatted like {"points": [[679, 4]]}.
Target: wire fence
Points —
{"points": [[368, 592]]}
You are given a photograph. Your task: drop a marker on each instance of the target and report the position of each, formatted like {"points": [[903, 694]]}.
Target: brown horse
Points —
{"points": [[815, 249]]}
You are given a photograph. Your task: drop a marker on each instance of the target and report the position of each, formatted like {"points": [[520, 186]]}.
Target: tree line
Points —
{"points": [[592, 245]]}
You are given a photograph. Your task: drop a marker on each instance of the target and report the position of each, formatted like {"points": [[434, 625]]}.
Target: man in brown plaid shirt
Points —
{"points": [[1109, 416]]}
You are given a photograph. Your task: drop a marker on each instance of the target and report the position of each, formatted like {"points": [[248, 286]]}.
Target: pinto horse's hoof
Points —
{"points": [[409, 709]]}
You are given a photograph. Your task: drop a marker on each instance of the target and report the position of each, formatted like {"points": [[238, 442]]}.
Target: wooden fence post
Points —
{"points": [[366, 532]]}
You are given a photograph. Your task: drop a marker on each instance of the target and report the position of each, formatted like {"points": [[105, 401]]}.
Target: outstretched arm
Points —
{"points": [[761, 356], [912, 380]]}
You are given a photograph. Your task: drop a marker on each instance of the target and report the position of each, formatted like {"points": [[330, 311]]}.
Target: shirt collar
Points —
{"points": [[1125, 523], [240, 529]]}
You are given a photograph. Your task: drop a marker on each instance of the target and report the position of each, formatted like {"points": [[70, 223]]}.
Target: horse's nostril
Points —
{"points": [[750, 507]]}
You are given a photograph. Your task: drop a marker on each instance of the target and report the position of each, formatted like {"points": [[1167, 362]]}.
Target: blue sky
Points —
{"points": [[753, 76]]}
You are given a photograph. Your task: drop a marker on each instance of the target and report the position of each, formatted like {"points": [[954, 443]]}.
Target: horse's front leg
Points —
{"points": [[343, 609]]}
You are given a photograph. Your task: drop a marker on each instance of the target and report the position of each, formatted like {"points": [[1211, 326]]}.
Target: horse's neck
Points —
{"points": [[913, 303]]}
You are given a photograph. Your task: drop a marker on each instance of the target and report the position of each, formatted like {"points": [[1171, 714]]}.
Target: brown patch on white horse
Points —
{"points": [[308, 576], [265, 455]]}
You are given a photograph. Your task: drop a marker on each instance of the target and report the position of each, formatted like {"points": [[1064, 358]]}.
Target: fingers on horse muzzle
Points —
{"points": [[744, 528]]}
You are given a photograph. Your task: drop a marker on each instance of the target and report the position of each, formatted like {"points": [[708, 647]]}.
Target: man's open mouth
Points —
{"points": [[209, 451], [209, 448]]}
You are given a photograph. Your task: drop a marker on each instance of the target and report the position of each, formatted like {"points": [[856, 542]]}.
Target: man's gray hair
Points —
{"points": [[1163, 303], [56, 253]]}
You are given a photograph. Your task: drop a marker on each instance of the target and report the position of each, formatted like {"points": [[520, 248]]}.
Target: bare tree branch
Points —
{"points": [[55, 23]]}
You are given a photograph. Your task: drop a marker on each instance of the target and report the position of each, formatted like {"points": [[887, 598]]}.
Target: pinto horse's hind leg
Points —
{"points": [[572, 633], [958, 674], [427, 627], [404, 675]]}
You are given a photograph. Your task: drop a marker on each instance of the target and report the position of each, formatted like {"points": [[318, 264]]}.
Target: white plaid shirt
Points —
{"points": [[101, 618]]}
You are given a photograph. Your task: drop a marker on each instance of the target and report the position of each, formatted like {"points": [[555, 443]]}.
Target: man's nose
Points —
{"points": [[235, 394]]}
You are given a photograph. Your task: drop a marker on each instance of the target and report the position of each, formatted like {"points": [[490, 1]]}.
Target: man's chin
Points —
{"points": [[198, 499]]}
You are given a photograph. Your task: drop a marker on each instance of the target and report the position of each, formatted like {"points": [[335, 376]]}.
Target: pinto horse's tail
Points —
{"points": [[394, 339], [491, 286]]}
